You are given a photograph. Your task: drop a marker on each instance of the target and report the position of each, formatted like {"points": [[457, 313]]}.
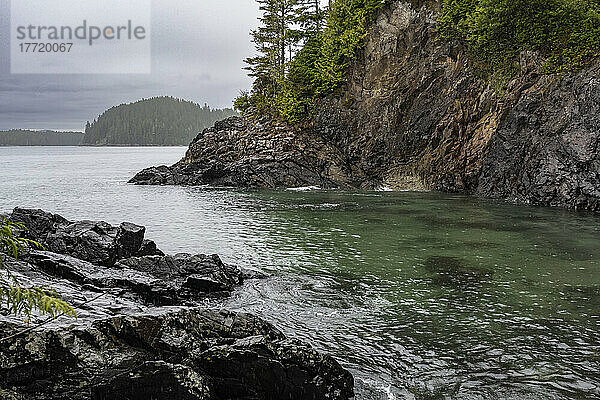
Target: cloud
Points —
{"points": [[198, 47]]}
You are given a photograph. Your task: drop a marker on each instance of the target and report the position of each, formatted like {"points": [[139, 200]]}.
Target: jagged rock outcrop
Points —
{"points": [[547, 150], [415, 114], [184, 354], [94, 241], [243, 153], [141, 331], [157, 280]]}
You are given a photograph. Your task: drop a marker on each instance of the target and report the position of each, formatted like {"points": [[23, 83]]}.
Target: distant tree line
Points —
{"points": [[158, 121], [20, 137]]}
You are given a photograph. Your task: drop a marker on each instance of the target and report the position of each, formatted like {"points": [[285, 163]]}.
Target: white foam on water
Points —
{"points": [[383, 390], [303, 188]]}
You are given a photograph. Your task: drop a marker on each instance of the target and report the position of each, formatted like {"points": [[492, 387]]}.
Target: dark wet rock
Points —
{"points": [[414, 113], [157, 280], [185, 274], [454, 271], [80, 283], [546, 151], [149, 249], [38, 222], [87, 240], [185, 354], [94, 241], [123, 347], [129, 239], [161, 175], [143, 330], [242, 153]]}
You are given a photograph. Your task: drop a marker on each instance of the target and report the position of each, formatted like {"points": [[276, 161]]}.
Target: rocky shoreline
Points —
{"points": [[239, 152], [142, 330], [415, 114]]}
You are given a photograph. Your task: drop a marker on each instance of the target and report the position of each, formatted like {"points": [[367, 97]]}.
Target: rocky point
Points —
{"points": [[142, 330], [414, 113]]}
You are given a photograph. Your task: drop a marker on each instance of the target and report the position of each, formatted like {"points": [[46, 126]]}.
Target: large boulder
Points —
{"points": [[184, 354], [129, 239], [39, 223]]}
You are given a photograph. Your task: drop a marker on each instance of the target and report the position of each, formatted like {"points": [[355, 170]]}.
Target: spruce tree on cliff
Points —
{"points": [[282, 30], [321, 41]]}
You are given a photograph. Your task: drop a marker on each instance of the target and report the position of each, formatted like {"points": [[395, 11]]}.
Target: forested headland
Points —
{"points": [[158, 121], [496, 98], [304, 49]]}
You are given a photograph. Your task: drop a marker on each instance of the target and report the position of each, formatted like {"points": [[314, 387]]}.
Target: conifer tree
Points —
{"points": [[276, 40], [312, 18], [321, 41]]}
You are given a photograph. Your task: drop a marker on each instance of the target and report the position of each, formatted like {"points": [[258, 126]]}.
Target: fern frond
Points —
{"points": [[44, 300], [21, 300]]}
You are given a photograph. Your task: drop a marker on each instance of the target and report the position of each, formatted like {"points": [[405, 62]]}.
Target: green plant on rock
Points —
{"points": [[16, 298], [242, 102], [289, 85], [347, 26], [566, 33]]}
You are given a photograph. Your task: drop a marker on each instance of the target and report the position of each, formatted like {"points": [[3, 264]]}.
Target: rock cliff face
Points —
{"points": [[413, 114], [142, 331]]}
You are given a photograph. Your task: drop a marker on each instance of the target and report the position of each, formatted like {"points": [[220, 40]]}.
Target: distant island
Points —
{"points": [[158, 121], [22, 137]]}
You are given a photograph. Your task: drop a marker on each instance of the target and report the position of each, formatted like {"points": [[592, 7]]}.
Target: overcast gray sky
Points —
{"points": [[198, 47]]}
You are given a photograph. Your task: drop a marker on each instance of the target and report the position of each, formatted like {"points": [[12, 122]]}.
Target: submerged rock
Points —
{"points": [[142, 331], [454, 272]]}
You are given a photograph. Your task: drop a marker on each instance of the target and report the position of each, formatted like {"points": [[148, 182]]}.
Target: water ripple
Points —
{"points": [[420, 295]]}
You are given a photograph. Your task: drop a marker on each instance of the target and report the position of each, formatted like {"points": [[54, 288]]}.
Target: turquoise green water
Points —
{"points": [[420, 295], [435, 296]]}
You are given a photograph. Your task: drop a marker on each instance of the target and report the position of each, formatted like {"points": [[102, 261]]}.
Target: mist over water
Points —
{"points": [[420, 295]]}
